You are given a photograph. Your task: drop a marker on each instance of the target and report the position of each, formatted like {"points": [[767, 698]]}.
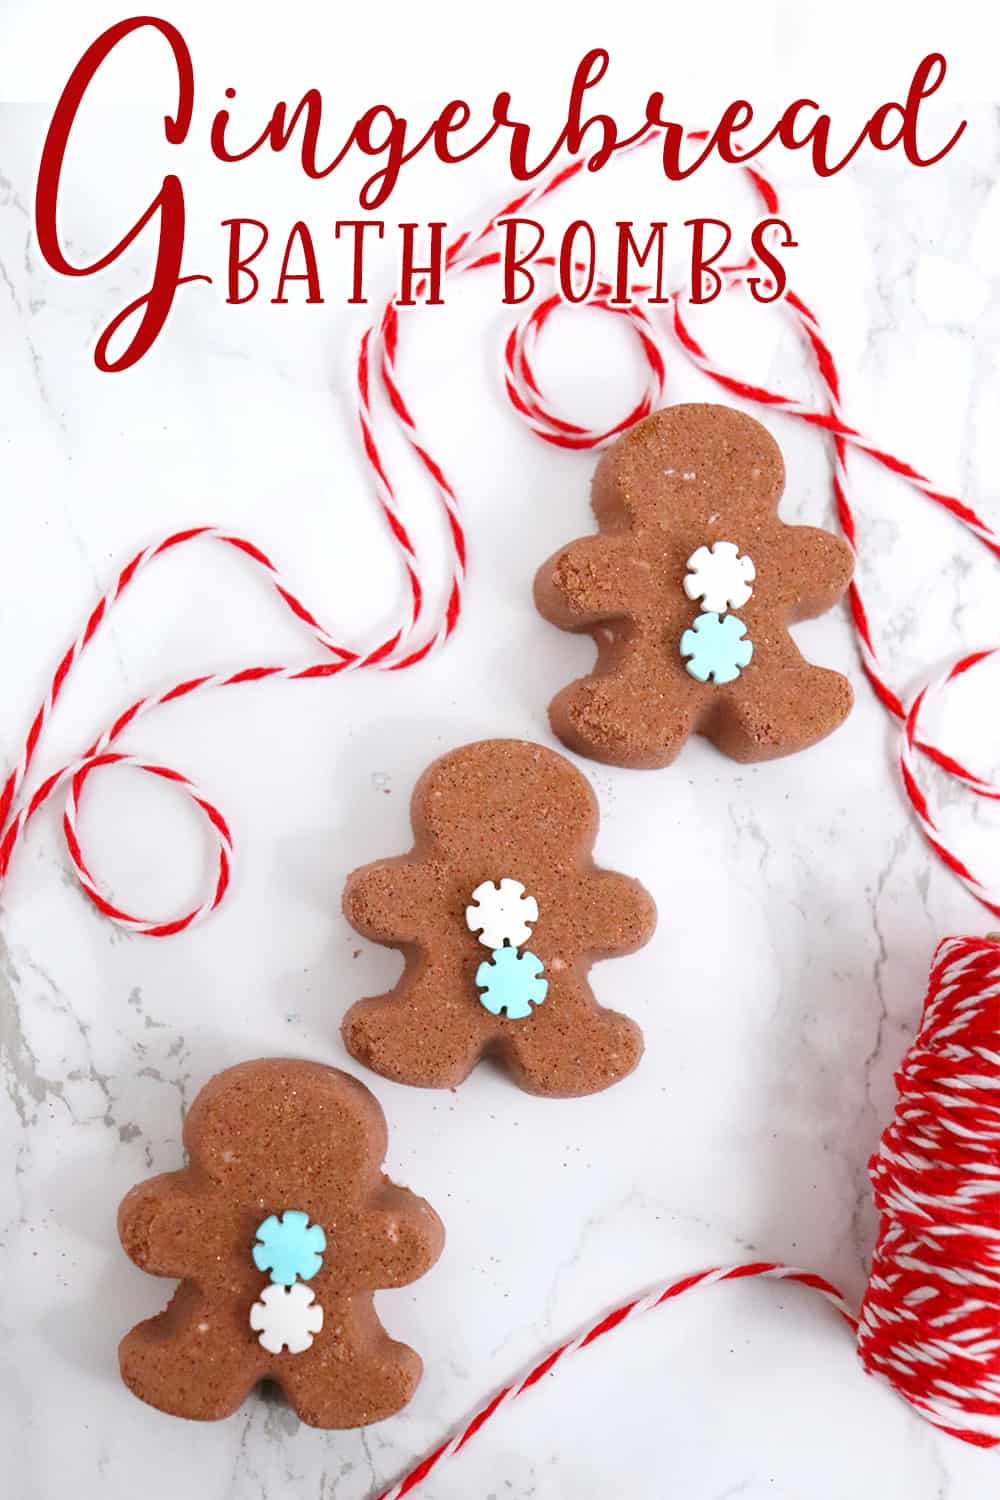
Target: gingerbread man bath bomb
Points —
{"points": [[279, 1229], [688, 590], [499, 910]]}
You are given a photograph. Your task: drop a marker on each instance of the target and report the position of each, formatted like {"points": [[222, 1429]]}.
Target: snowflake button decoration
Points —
{"points": [[511, 982], [286, 1317], [501, 914], [716, 648], [289, 1247], [719, 577]]}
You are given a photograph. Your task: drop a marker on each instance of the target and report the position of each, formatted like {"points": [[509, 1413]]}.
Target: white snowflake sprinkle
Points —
{"points": [[720, 578], [501, 914], [286, 1318]]}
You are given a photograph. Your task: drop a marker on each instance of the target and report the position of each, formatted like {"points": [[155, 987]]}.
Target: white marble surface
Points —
{"points": [[798, 904]]}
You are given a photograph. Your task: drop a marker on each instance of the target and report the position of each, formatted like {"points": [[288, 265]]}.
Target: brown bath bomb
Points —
{"points": [[514, 984], [673, 486], [301, 1142]]}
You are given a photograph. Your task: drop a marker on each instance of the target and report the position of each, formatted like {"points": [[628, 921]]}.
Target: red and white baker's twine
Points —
{"points": [[15, 816], [930, 1320], [626, 1313]]}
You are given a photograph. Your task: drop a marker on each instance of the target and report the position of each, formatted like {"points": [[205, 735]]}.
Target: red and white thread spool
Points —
{"points": [[930, 1321]]}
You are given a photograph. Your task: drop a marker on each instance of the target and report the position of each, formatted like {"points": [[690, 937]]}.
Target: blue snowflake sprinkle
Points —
{"points": [[717, 648], [289, 1247], [511, 982]]}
